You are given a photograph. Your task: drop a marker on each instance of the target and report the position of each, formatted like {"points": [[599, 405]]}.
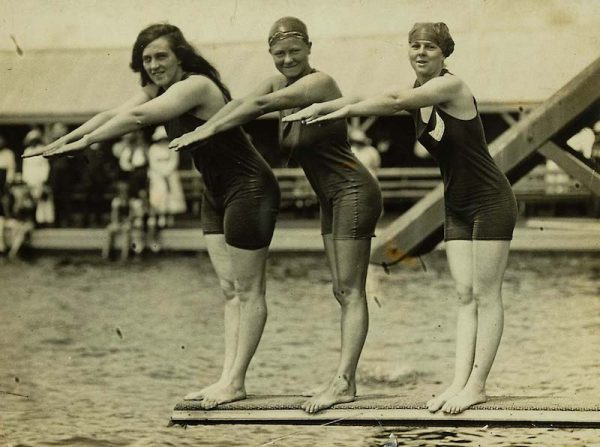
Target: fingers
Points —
{"points": [[54, 152], [294, 117], [178, 144], [184, 143], [174, 144], [35, 152]]}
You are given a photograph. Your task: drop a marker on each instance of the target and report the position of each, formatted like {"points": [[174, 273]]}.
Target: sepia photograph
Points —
{"points": [[353, 223]]}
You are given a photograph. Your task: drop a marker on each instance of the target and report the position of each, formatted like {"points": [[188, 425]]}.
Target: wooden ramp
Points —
{"points": [[395, 410], [542, 131]]}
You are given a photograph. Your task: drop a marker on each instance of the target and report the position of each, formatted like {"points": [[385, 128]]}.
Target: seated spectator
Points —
{"points": [[7, 175], [120, 222], [127, 218], [22, 211]]}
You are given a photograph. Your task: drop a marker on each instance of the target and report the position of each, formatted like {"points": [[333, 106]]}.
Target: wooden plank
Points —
{"points": [[572, 166], [398, 410], [531, 238], [419, 228]]}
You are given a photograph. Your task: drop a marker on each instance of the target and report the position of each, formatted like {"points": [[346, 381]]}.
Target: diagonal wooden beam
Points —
{"points": [[508, 119], [572, 166], [421, 225]]}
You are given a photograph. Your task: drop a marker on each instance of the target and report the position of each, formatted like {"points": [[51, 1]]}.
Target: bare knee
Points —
{"points": [[248, 290], [346, 295], [465, 294], [488, 297], [228, 289]]}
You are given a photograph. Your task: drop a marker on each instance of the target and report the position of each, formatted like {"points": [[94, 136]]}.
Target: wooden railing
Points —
{"points": [[407, 185], [397, 185]]}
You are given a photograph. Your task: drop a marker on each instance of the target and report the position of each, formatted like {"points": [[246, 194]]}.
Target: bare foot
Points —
{"points": [[199, 395], [339, 391], [314, 391], [222, 395], [463, 400], [438, 402]]}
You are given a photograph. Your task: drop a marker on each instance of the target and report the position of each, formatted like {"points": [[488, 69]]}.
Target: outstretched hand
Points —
{"points": [[31, 152], [41, 150], [312, 115], [75, 146], [186, 141], [306, 115], [337, 115]]}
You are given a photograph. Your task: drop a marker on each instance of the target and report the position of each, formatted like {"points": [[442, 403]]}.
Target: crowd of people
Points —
{"points": [[133, 190]]}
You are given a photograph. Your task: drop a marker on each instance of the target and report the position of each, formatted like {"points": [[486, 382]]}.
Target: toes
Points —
{"points": [[434, 405], [213, 404], [310, 407], [209, 404]]}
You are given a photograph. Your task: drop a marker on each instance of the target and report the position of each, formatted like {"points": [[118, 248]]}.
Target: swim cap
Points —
{"points": [[437, 33], [288, 27]]}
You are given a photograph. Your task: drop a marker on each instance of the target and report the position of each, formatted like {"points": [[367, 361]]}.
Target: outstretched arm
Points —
{"points": [[179, 98], [310, 88], [314, 111], [92, 124], [437, 91]]}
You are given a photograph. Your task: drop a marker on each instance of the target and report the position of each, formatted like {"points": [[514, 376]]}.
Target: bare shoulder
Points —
{"points": [[323, 79], [461, 105], [199, 82], [324, 85], [275, 82], [448, 82], [150, 90]]}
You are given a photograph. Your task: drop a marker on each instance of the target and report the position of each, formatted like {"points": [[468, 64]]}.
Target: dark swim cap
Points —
{"points": [[288, 27], [437, 33]]}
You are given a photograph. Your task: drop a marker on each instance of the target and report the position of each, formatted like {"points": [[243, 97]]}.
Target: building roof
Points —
{"points": [[503, 69]]}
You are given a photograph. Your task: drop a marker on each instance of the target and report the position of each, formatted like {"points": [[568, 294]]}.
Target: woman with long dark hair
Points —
{"points": [[349, 196], [480, 207], [182, 90]]}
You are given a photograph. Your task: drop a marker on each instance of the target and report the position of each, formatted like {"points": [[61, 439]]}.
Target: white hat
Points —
{"points": [[160, 134], [31, 136], [357, 135]]}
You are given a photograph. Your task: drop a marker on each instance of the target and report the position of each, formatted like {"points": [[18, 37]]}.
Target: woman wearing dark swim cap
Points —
{"points": [[349, 196], [480, 207]]}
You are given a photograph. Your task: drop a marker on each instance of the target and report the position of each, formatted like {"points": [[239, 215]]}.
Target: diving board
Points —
{"points": [[421, 227], [395, 410]]}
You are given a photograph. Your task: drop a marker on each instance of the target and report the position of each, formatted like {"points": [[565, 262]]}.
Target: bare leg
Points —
{"points": [[19, 234], [460, 255], [489, 264], [125, 230], [219, 256], [349, 262], [248, 268], [2, 244]]}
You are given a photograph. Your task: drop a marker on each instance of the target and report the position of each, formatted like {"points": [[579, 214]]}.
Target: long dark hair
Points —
{"points": [[191, 60]]}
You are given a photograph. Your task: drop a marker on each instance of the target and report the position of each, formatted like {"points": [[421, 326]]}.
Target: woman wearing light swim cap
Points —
{"points": [[182, 90], [349, 196], [480, 207]]}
